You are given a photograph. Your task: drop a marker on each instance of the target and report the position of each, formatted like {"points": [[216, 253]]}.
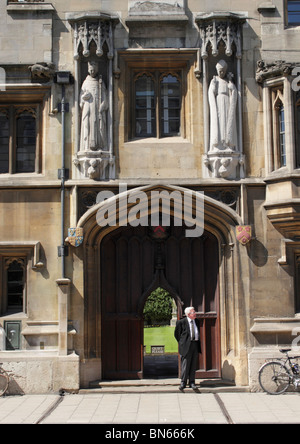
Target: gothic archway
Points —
{"points": [[133, 265], [102, 313], [160, 314]]}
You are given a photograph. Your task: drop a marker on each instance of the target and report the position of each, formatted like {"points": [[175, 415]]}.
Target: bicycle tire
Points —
{"points": [[4, 380], [274, 378]]}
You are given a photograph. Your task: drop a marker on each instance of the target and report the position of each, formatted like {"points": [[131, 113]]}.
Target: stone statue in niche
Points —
{"points": [[94, 105], [222, 95]]}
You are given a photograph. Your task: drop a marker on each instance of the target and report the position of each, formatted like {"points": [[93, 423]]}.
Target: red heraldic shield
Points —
{"points": [[243, 234]]}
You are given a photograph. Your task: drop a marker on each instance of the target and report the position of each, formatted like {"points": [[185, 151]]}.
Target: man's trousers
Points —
{"points": [[189, 364]]}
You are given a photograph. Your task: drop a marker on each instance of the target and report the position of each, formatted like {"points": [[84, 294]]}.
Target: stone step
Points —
{"points": [[163, 385]]}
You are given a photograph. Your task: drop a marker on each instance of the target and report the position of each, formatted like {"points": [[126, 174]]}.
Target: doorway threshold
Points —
{"points": [[162, 385], [140, 382]]}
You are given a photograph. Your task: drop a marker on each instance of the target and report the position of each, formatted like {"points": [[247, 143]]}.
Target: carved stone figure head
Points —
{"points": [[221, 68], [93, 69]]}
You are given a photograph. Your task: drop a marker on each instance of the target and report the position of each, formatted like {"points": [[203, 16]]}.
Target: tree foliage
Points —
{"points": [[158, 307]]}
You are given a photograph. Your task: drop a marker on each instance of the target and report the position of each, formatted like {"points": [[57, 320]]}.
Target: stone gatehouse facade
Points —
{"points": [[188, 100]]}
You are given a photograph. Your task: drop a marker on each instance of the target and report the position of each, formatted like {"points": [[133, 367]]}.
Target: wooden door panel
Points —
{"points": [[121, 332], [121, 351], [209, 362], [147, 262], [129, 260], [198, 274], [108, 349], [135, 283], [122, 266]]}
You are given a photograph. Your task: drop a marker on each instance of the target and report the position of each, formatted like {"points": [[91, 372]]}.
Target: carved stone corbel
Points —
{"points": [[95, 165], [273, 69], [43, 72]]}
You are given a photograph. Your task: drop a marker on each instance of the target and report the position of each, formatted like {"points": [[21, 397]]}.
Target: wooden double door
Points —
{"points": [[133, 264]]}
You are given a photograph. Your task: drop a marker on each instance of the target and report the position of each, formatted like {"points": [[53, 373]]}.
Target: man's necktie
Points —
{"points": [[193, 330]]}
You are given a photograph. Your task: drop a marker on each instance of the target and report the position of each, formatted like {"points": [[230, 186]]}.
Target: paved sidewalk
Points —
{"points": [[25, 409], [155, 409]]}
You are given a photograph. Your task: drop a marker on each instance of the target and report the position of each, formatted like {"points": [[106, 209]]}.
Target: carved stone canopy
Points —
{"points": [[92, 27], [217, 27]]}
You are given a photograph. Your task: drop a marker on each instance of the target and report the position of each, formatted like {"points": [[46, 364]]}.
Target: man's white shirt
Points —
{"points": [[195, 327]]}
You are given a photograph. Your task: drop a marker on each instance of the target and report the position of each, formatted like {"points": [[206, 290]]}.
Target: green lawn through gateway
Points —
{"points": [[160, 336]]}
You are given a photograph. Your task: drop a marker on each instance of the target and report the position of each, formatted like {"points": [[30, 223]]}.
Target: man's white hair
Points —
{"points": [[187, 310]]}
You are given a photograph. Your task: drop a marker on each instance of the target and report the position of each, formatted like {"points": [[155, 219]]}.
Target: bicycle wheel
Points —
{"points": [[3, 382], [274, 378]]}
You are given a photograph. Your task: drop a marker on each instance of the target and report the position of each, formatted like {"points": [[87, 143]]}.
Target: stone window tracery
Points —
{"points": [[17, 259], [280, 115], [13, 298], [278, 129], [15, 281], [157, 109], [297, 283], [20, 138]]}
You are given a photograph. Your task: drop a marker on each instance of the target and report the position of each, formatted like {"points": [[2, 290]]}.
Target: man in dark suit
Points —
{"points": [[187, 334]]}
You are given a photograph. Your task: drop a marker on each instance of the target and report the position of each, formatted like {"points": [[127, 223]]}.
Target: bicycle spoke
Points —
{"points": [[3, 384], [274, 378]]}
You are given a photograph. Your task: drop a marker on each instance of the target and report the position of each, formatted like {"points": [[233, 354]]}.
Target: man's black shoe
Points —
{"points": [[194, 387], [182, 387]]}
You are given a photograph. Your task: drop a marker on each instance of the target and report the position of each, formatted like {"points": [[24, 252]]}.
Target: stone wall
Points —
{"points": [[258, 281]]}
